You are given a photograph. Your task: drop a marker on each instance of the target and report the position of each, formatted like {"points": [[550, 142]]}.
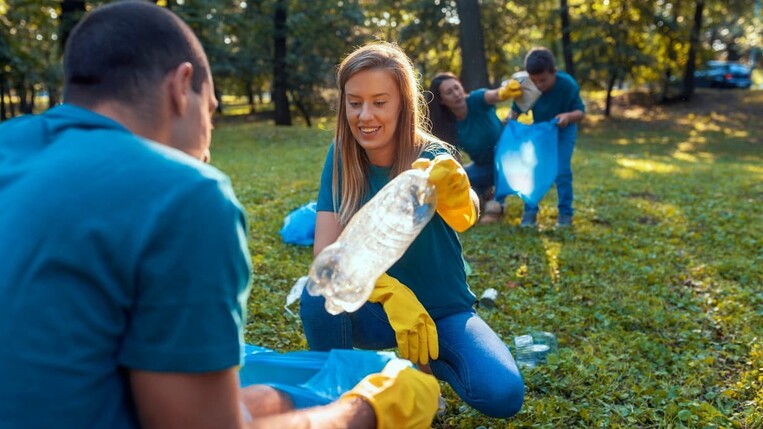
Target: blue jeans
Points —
{"points": [[563, 180], [481, 177], [473, 360]]}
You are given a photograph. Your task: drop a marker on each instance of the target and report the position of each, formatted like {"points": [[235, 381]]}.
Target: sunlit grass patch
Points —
{"points": [[654, 294]]}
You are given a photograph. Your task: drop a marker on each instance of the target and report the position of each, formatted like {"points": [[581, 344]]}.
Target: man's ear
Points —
{"points": [[179, 87]]}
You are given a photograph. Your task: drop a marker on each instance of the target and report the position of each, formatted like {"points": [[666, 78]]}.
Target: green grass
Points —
{"points": [[655, 295]]}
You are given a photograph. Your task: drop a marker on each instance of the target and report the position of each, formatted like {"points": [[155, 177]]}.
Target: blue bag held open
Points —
{"points": [[311, 378], [299, 225], [526, 160]]}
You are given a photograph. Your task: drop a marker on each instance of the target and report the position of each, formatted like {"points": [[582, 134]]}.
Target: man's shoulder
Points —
{"points": [[566, 79]]}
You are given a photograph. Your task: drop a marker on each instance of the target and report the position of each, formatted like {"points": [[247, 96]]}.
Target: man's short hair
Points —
{"points": [[540, 60], [122, 51]]}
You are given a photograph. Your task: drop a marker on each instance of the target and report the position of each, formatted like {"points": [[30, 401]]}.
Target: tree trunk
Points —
{"points": [[471, 39], [569, 66], [3, 113], [302, 109], [21, 94], [71, 13], [219, 97], [691, 63], [52, 96], [30, 101], [250, 96], [672, 55], [280, 77], [12, 107], [610, 86]]}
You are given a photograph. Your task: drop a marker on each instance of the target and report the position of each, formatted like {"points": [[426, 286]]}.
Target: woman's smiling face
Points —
{"points": [[372, 103]]}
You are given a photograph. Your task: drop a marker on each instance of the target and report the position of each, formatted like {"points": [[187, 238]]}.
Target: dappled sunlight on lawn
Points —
{"points": [[691, 156], [647, 166], [688, 150], [756, 169], [642, 140], [662, 212], [552, 249]]}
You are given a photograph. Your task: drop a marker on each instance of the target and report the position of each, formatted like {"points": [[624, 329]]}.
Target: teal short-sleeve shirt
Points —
{"points": [[479, 132], [117, 254], [432, 267]]}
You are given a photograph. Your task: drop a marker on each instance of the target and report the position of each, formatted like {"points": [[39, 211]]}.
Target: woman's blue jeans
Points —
{"points": [[473, 359], [481, 177], [563, 181]]}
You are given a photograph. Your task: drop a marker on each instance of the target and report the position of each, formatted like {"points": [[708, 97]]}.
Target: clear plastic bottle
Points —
{"points": [[375, 238], [532, 349]]}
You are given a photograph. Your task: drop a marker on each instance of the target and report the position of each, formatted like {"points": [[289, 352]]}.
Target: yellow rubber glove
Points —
{"points": [[402, 397], [454, 202], [415, 330], [512, 89], [526, 118]]}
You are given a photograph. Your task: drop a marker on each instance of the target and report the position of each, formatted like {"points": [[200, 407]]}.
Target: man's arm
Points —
{"points": [[356, 413], [212, 400], [187, 400], [569, 117]]}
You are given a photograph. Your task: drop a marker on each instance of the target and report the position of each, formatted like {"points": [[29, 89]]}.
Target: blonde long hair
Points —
{"points": [[411, 136]]}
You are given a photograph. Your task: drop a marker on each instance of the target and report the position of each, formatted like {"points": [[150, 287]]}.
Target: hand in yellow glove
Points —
{"points": [[454, 202], [415, 330], [526, 118], [512, 89], [402, 397]]}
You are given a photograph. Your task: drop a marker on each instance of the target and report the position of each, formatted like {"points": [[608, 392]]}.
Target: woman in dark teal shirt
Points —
{"points": [[469, 122], [379, 134]]}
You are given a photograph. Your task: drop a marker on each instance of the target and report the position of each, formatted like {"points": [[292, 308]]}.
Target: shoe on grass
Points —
{"points": [[564, 220], [493, 212], [529, 220]]}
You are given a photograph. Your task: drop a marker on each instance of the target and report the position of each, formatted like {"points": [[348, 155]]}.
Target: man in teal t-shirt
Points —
{"points": [[124, 264], [560, 99]]}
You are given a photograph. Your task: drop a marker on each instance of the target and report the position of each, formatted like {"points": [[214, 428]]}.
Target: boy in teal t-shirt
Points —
{"points": [[560, 99]]}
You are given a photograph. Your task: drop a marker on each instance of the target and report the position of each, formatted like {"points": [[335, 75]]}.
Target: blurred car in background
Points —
{"points": [[724, 74]]}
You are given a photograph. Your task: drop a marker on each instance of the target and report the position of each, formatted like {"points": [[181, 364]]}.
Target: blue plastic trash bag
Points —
{"points": [[312, 378], [344, 369], [299, 225], [526, 160]]}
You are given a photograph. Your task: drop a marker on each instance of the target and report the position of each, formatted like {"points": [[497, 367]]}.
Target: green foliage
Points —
{"points": [[633, 42], [29, 47], [654, 295]]}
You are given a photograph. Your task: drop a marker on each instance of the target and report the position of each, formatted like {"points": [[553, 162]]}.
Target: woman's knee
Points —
{"points": [[499, 398]]}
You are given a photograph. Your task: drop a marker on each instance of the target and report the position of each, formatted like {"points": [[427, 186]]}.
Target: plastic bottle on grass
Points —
{"points": [[532, 349], [375, 238]]}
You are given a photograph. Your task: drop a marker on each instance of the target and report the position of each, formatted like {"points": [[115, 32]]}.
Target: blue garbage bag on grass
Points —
{"points": [[299, 225], [526, 160], [311, 378]]}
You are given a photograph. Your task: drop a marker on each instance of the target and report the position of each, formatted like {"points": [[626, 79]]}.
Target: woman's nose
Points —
{"points": [[365, 112]]}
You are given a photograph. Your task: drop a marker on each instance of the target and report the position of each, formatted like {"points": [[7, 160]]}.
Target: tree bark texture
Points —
{"points": [[280, 76], [472, 41]]}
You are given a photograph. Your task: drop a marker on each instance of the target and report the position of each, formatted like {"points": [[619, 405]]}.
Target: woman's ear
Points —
{"points": [[179, 87]]}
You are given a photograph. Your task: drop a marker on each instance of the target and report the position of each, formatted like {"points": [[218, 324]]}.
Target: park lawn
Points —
{"points": [[655, 295]]}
